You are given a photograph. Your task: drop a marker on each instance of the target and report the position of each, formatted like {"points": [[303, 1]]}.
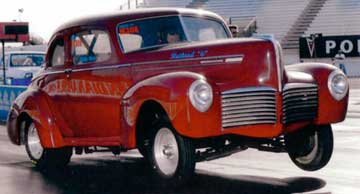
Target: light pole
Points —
{"points": [[3, 61], [20, 11]]}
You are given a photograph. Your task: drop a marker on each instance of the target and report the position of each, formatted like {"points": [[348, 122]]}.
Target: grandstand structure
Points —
{"points": [[286, 20]]}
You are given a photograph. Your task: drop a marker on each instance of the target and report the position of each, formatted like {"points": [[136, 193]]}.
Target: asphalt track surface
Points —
{"points": [[248, 172]]}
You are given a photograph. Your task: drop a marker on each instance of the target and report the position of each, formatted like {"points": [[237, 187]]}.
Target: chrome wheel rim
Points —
{"points": [[166, 152], [34, 144], [312, 154]]}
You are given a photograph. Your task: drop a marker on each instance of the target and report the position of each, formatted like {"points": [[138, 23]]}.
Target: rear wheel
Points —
{"points": [[311, 150], [172, 156], [43, 157], [143, 147]]}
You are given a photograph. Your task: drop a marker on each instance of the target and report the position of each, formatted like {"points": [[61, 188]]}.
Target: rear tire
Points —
{"points": [[312, 149], [143, 150], [43, 157], [172, 156]]}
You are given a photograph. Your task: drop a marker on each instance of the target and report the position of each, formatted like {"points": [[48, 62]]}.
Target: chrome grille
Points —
{"points": [[300, 102], [248, 106]]}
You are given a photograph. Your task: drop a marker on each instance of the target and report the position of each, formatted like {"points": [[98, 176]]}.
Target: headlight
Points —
{"points": [[338, 84], [201, 95]]}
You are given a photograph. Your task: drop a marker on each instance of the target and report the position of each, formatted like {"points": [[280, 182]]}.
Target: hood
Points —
{"points": [[228, 64]]}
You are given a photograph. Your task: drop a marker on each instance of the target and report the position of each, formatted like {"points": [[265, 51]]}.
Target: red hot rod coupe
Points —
{"points": [[174, 84]]}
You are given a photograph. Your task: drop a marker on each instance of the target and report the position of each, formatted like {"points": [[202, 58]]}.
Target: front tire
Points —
{"points": [[172, 156], [312, 148], [43, 157]]}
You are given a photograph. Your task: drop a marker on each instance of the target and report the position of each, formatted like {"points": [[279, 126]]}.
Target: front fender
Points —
{"points": [[170, 90], [34, 104], [330, 110]]}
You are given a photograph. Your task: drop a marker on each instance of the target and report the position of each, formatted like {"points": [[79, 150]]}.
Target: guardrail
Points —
{"points": [[7, 96]]}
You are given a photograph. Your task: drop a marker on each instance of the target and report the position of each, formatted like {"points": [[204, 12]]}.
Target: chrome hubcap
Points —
{"points": [[166, 151], [34, 144], [310, 156]]}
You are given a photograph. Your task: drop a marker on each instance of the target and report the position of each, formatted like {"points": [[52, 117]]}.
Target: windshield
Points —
{"points": [[27, 60], [148, 33]]}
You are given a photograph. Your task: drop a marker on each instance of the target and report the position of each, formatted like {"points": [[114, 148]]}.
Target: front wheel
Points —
{"points": [[172, 156], [312, 148], [43, 157]]}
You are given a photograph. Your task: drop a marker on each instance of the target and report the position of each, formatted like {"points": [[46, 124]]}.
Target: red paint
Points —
{"points": [[98, 104]]}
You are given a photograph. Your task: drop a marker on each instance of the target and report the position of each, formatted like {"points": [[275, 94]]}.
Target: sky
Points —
{"points": [[44, 16]]}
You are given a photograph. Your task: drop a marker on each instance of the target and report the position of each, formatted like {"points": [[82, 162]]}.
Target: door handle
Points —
{"points": [[67, 71]]}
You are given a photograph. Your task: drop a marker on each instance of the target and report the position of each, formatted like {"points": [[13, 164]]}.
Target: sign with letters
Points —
{"points": [[328, 46], [14, 31]]}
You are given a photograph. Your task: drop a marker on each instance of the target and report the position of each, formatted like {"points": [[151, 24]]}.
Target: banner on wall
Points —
{"points": [[318, 46], [7, 96]]}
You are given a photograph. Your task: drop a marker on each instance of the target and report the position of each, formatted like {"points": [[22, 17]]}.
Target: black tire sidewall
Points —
{"points": [[323, 153]]}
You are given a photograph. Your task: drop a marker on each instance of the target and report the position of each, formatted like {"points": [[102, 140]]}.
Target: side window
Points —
{"points": [[57, 53], [91, 46]]}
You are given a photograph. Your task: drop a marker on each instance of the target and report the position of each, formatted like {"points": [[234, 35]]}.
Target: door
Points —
{"points": [[97, 83]]}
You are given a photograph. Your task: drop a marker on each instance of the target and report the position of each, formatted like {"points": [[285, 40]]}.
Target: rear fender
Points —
{"points": [[34, 105]]}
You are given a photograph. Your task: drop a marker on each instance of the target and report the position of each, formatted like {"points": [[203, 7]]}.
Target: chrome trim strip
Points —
{"points": [[238, 124], [245, 101], [234, 60], [225, 97], [189, 59], [249, 89], [251, 106], [312, 104], [298, 86], [244, 111], [86, 69], [278, 62], [250, 118], [235, 98], [101, 68], [170, 67], [52, 72], [251, 114], [212, 61]]}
